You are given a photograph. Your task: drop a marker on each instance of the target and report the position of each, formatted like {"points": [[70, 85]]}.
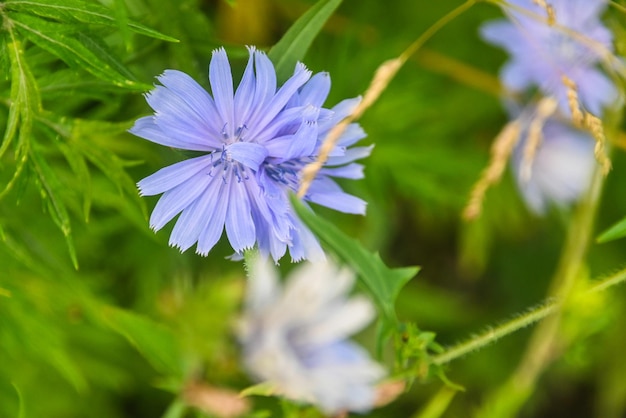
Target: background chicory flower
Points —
{"points": [[561, 169], [542, 53], [295, 338]]}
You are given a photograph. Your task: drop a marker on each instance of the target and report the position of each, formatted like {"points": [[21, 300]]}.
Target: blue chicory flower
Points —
{"points": [[255, 141], [561, 169], [541, 54], [295, 338]]}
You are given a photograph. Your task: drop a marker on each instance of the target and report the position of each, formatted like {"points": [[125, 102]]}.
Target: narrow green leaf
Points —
{"points": [[24, 97], [614, 232], [77, 162], [76, 49], [25, 101], [154, 341], [20, 397], [383, 283], [177, 409], [294, 44], [99, 48], [107, 161], [121, 16], [5, 68], [51, 189], [79, 11]]}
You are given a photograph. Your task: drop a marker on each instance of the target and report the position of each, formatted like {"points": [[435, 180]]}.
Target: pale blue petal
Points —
{"points": [[193, 94], [175, 200], [247, 153], [304, 245], [265, 87], [291, 86], [240, 227], [176, 119], [222, 86], [244, 96], [326, 192], [288, 117], [171, 176], [596, 91], [351, 135], [304, 140], [351, 171], [194, 218], [340, 112], [350, 155], [316, 90], [215, 224], [146, 128]]}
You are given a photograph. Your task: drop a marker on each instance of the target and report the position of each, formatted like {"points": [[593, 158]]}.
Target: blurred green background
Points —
{"points": [[117, 336]]}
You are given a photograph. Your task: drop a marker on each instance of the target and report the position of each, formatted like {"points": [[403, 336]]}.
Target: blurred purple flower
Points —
{"points": [[255, 141], [295, 339], [542, 54], [561, 170]]}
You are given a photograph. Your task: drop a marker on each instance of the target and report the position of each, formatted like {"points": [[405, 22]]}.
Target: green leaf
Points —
{"points": [[294, 44], [614, 232], [51, 189], [177, 409], [4, 58], [76, 49], [77, 162], [84, 137], [121, 16], [25, 101], [79, 11], [154, 341], [383, 283], [260, 389]]}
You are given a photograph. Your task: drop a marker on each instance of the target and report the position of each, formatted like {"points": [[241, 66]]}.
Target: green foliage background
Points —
{"points": [[100, 318]]}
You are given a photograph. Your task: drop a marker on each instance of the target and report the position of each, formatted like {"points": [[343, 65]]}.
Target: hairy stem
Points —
{"points": [[543, 347], [524, 320]]}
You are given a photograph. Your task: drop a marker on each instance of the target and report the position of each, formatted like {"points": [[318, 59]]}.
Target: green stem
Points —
{"points": [[543, 348], [525, 320], [436, 27], [494, 334]]}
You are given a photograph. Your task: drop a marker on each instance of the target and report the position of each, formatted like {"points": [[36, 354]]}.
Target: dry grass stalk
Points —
{"points": [[593, 124], [573, 101], [381, 79], [549, 10], [500, 151], [546, 108]]}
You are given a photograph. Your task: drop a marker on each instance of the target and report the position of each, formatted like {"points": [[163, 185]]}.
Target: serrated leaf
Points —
{"points": [[614, 232], [294, 44], [76, 49], [25, 101], [383, 283], [154, 341], [79, 11], [101, 49], [51, 188], [80, 169], [108, 162]]}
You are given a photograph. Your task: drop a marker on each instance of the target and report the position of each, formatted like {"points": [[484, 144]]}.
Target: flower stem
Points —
{"points": [[534, 315], [543, 346]]}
